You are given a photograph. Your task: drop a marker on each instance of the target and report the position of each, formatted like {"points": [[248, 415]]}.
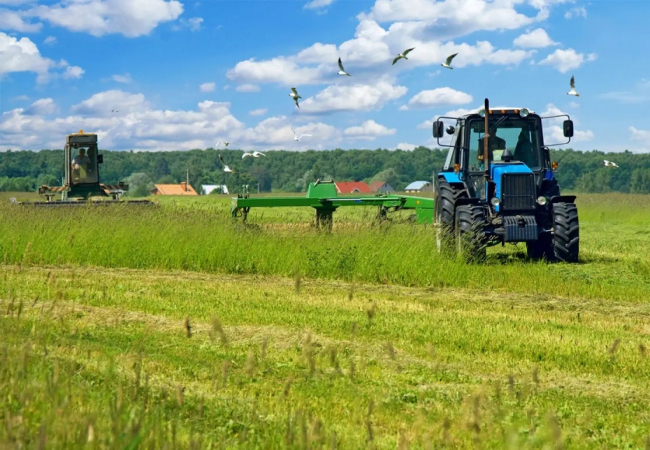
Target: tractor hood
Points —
{"points": [[499, 169]]}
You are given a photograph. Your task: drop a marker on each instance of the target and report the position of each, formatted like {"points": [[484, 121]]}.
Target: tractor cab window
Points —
{"points": [[454, 150], [84, 163], [516, 134]]}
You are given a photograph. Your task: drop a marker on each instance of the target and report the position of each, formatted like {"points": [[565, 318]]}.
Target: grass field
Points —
{"points": [[173, 326]]}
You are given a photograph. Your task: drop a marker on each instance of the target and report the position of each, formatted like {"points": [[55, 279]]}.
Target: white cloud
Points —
{"points": [[316, 4], [20, 98], [368, 130], [447, 19], [368, 54], [100, 17], [356, 97], [574, 104], [14, 20], [194, 24], [455, 113], [139, 127], [50, 40], [73, 72], [101, 104], [565, 60], [247, 88], [579, 11], [126, 78], [437, 97], [553, 132], [640, 135], [42, 107], [258, 112], [535, 39], [406, 147], [21, 55], [279, 70], [207, 87], [275, 132]]}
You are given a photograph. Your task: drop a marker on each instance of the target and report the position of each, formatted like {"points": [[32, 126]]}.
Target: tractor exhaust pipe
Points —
{"points": [[486, 137]]}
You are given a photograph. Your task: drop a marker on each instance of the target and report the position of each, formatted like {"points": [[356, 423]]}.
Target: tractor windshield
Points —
{"points": [[517, 134], [84, 164]]}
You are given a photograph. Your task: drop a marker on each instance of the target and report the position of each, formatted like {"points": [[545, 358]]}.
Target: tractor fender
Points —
{"points": [[563, 199], [467, 201]]}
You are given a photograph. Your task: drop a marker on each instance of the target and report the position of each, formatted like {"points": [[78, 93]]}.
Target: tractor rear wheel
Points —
{"points": [[470, 233], [445, 208], [566, 232]]}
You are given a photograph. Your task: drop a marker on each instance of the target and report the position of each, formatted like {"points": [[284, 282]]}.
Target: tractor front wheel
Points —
{"points": [[444, 213], [566, 232], [470, 233]]}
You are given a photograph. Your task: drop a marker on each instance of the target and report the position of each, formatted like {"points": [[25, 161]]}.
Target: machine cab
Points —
{"points": [[82, 159]]}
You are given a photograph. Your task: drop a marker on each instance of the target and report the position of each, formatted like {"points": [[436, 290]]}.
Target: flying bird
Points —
{"points": [[573, 88], [295, 136], [114, 110], [447, 63], [224, 143], [225, 166], [609, 163], [294, 95], [342, 71], [403, 55], [252, 154]]}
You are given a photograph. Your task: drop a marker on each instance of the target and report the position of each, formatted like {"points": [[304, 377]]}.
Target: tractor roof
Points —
{"points": [[496, 109]]}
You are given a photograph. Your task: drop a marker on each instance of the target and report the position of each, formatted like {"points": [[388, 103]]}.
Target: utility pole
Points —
{"points": [[187, 180]]}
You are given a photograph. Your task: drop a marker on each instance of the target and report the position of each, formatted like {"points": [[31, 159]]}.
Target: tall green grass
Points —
{"points": [[614, 239]]}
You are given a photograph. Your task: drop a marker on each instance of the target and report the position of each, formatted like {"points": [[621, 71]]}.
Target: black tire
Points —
{"points": [[445, 209], [566, 232], [470, 233]]}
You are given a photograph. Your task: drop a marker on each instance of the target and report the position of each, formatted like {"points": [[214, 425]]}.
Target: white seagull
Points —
{"points": [[225, 167], [295, 136], [447, 63], [609, 163], [294, 95], [573, 88], [342, 71], [253, 154], [402, 55]]}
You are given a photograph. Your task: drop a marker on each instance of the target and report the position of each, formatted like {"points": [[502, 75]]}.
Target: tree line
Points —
{"points": [[287, 171]]}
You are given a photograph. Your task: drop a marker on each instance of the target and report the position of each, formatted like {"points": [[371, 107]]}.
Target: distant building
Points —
{"points": [[173, 189], [381, 186], [419, 186], [352, 187], [209, 188]]}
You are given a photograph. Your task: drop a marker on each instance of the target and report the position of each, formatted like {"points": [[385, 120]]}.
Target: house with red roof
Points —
{"points": [[352, 187], [173, 189]]}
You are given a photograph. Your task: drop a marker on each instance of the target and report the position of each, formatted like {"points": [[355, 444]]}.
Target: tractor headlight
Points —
{"points": [[541, 200], [523, 112], [495, 201], [481, 112]]}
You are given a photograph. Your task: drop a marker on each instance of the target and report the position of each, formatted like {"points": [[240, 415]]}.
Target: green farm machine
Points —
{"points": [[81, 185], [323, 197]]}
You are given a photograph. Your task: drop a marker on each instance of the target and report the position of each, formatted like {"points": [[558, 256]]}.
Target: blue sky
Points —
{"points": [[186, 74]]}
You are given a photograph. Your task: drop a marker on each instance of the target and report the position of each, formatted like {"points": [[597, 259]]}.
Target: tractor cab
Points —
{"points": [[82, 166], [498, 173]]}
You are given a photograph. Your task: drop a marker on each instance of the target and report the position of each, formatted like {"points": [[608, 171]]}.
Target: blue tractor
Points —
{"points": [[498, 185]]}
